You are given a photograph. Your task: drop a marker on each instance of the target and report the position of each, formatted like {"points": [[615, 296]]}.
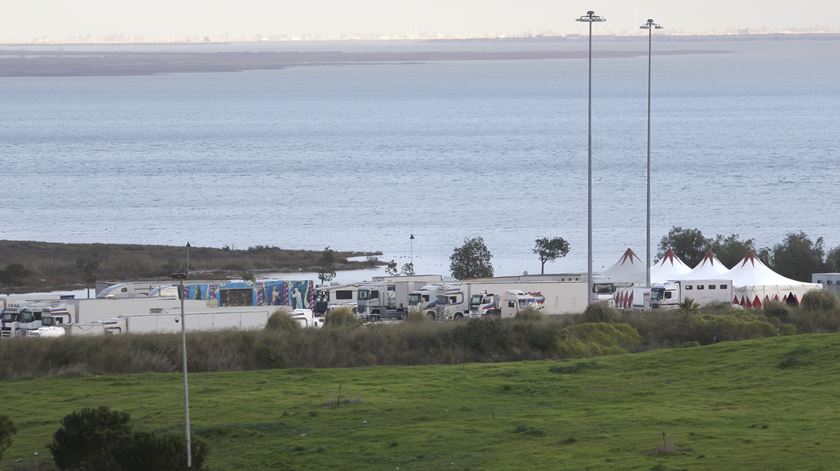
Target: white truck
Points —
{"points": [[337, 296], [671, 294], [507, 304], [386, 299], [35, 319]]}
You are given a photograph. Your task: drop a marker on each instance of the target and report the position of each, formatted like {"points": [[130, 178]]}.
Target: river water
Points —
{"points": [[360, 156]]}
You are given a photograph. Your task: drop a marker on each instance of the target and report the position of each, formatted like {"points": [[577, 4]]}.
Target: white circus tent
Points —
{"points": [[629, 269], [670, 267], [754, 284], [709, 268]]}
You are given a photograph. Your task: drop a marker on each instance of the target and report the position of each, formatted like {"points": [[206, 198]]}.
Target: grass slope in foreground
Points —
{"points": [[761, 404]]}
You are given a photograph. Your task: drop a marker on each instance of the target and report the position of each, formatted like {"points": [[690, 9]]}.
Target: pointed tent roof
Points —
{"points": [[628, 269], [708, 268], [750, 271], [669, 268]]}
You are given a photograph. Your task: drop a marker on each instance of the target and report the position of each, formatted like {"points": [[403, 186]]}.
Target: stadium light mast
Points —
{"points": [[590, 17], [650, 26]]}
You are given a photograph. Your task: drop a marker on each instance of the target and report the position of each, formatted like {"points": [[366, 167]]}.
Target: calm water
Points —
{"points": [[360, 156]]}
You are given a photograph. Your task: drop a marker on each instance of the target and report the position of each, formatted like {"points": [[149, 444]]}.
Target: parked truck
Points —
{"points": [[35, 319], [671, 294], [507, 304], [386, 299]]}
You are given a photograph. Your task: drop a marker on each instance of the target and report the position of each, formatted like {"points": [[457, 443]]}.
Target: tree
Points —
{"points": [[391, 268], [549, 250], [688, 244], [146, 451], [326, 270], [87, 267], [832, 260], [798, 257], [85, 438], [471, 260], [13, 276], [730, 250], [7, 431], [408, 269]]}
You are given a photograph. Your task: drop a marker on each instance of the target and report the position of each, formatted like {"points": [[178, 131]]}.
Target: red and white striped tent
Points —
{"points": [[670, 267], [754, 284], [628, 270], [708, 268]]}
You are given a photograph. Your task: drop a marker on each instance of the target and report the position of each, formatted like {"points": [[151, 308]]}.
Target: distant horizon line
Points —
{"points": [[383, 38]]}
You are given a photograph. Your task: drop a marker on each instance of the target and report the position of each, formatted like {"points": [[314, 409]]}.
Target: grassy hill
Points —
{"points": [[761, 404]]}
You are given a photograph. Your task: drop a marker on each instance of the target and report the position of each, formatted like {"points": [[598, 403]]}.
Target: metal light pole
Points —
{"points": [[411, 250], [590, 18], [650, 26], [188, 259], [182, 295]]}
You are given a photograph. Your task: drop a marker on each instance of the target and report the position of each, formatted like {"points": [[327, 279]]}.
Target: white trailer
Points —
{"points": [[671, 294], [508, 304], [559, 297], [338, 296]]}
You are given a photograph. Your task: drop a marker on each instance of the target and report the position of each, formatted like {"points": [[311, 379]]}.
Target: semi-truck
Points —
{"points": [[507, 304], [671, 294], [386, 299], [36, 319]]}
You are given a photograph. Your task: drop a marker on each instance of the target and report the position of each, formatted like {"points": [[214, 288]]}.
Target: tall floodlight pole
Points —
{"points": [[188, 259], [590, 18], [411, 250], [650, 26], [182, 294]]}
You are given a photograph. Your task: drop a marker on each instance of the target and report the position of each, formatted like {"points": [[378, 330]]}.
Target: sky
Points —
{"points": [[58, 20]]}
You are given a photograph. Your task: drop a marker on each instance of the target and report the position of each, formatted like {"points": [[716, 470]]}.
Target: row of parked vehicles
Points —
{"points": [[395, 299]]}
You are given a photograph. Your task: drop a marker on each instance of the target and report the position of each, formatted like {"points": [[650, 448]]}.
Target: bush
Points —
{"points": [[600, 312], [341, 317], [530, 313], [592, 339], [280, 320], [820, 300], [86, 438], [778, 310], [417, 317], [147, 451], [7, 431]]}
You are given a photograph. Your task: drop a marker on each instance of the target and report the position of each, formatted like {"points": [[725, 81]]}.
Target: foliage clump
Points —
{"points": [[820, 300], [600, 312], [530, 314], [102, 439], [281, 321], [341, 317], [471, 260], [7, 431]]}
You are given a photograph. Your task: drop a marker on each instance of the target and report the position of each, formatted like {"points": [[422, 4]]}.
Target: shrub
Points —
{"points": [[820, 300], [592, 339], [600, 312], [777, 310], [530, 313], [146, 451], [86, 438], [7, 431], [280, 320], [341, 317], [416, 316]]}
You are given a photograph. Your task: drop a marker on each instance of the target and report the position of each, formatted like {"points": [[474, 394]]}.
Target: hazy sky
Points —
{"points": [[173, 19]]}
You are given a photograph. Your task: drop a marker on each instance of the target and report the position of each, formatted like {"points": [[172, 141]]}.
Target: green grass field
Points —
{"points": [[769, 404]]}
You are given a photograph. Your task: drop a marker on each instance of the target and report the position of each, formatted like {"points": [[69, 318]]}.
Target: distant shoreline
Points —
{"points": [[77, 63], [53, 266], [568, 37]]}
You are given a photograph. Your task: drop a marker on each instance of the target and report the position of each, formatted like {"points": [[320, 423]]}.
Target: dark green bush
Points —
{"points": [[593, 339], [600, 312], [341, 317], [777, 310], [7, 431], [282, 320], [86, 438], [530, 313], [147, 451], [416, 316], [820, 300]]}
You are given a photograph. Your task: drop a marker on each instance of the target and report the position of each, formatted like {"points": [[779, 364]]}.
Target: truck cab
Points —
{"points": [[451, 303]]}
